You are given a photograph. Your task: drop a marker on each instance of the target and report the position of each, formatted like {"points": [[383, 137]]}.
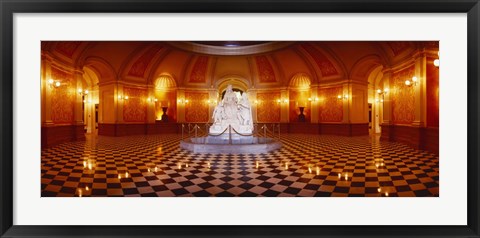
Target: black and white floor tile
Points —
{"points": [[306, 165]]}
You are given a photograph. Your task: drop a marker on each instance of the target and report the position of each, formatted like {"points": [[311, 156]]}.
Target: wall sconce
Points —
{"points": [[53, 83], [122, 97], [182, 101], [214, 102], [382, 94], [436, 62], [344, 97], [313, 99], [282, 100], [412, 82], [256, 102], [81, 92], [152, 99]]}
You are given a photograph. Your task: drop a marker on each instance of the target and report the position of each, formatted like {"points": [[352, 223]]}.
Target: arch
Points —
{"points": [[236, 81], [364, 66], [102, 68], [164, 81], [300, 81]]}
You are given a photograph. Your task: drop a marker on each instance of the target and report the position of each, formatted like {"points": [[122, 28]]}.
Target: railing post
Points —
{"points": [[265, 133], [230, 134], [183, 128], [196, 127]]}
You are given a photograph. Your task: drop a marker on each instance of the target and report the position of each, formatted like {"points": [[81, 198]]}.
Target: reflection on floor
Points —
{"points": [[154, 165]]}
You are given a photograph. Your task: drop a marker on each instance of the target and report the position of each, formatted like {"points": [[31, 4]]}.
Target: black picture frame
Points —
{"points": [[9, 7]]}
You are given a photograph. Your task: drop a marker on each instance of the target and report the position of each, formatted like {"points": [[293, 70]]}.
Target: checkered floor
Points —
{"points": [[306, 165]]}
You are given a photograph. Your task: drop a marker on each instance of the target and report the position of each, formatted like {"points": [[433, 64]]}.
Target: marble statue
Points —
{"points": [[218, 114], [232, 112]]}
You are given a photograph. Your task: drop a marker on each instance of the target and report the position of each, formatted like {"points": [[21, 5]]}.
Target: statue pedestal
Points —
{"points": [[217, 129]]}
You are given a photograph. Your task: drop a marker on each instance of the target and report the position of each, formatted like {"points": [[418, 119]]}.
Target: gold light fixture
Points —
{"points": [[436, 62], [54, 83], [412, 82], [344, 97], [182, 101], [381, 93], [81, 92], [315, 99]]}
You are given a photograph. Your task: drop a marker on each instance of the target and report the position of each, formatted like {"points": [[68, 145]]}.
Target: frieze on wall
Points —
{"points": [[403, 97], [265, 70], [140, 66], [268, 109], [326, 67], [135, 107], [196, 110], [199, 70], [63, 97], [331, 108]]}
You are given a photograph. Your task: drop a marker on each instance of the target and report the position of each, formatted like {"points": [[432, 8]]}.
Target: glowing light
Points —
{"points": [[379, 91], [80, 192], [414, 79], [86, 91], [126, 174], [286, 165], [309, 170], [126, 97], [208, 164], [318, 170], [119, 176], [156, 169], [87, 188], [257, 164], [379, 190], [407, 82], [50, 81], [386, 194], [339, 175], [436, 62], [57, 84], [148, 170], [179, 165], [84, 164], [346, 177], [79, 90]]}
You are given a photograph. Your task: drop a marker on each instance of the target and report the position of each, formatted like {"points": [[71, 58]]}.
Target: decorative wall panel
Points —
{"points": [[63, 97], [135, 108], [265, 70], [196, 110], [140, 66], [398, 47], [326, 67], [331, 108], [199, 70], [67, 48], [433, 100], [403, 98], [268, 110]]}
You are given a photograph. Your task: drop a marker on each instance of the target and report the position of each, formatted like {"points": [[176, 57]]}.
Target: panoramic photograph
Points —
{"points": [[240, 119]]}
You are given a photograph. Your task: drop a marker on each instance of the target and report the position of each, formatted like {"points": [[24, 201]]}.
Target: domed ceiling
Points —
{"points": [[260, 64]]}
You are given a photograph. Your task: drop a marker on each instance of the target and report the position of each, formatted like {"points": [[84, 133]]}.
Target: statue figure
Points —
{"points": [[218, 113], [245, 111], [230, 104]]}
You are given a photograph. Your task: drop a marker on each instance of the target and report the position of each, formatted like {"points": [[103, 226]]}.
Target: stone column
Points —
{"points": [[314, 105], [284, 107], [387, 103], [180, 105], [346, 89], [46, 91], [119, 105], [150, 104], [420, 90], [78, 113]]}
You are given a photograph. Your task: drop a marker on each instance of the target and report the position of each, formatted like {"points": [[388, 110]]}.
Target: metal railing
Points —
{"points": [[262, 133]]}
